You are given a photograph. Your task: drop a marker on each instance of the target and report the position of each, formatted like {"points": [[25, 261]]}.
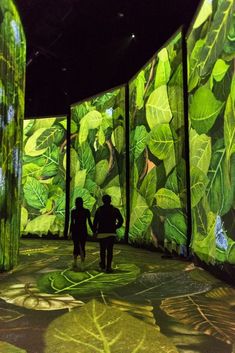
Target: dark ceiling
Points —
{"points": [[78, 48]]}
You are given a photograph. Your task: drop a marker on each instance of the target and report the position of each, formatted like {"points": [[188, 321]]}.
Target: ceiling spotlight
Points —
{"points": [[120, 14], [132, 35]]}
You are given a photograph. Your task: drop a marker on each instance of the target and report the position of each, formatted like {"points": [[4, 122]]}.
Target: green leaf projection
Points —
{"points": [[97, 163], [12, 78], [44, 176], [211, 54], [157, 164]]}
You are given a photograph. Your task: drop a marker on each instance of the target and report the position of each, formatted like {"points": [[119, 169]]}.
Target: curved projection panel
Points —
{"points": [[97, 164], [12, 77], [211, 53], [44, 176], [158, 196]]}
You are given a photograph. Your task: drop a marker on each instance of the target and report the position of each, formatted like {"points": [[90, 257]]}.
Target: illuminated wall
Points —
{"points": [[158, 196], [97, 164], [211, 53], [44, 176], [12, 77]]}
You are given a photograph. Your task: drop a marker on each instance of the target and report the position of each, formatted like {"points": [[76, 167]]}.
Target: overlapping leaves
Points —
{"points": [[104, 329]]}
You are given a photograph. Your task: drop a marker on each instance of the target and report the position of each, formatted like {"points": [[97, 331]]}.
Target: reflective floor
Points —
{"points": [[148, 304]]}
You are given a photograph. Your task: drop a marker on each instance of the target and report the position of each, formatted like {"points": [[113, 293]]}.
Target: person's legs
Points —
{"points": [[75, 252], [110, 243], [102, 253], [82, 251], [82, 248]]}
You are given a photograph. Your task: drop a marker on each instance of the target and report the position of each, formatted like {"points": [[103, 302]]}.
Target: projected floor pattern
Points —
{"points": [[148, 304]]}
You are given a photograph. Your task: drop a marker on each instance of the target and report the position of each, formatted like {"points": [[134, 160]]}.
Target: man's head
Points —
{"points": [[106, 200], [79, 202]]}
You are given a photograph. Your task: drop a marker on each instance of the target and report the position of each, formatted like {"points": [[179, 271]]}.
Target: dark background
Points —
{"points": [[78, 48]]}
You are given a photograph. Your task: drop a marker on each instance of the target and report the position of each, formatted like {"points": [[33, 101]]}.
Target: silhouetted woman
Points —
{"points": [[79, 218]]}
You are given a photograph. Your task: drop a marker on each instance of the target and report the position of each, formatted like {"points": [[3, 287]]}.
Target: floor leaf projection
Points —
{"points": [[147, 302]]}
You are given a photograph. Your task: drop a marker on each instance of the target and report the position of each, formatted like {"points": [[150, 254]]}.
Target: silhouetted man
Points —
{"points": [[107, 220], [79, 218]]}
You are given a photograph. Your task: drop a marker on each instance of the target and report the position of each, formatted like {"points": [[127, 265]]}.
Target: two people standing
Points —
{"points": [[107, 220]]}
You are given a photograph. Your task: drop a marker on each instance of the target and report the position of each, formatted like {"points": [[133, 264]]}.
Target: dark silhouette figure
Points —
{"points": [[79, 218], [107, 220]]}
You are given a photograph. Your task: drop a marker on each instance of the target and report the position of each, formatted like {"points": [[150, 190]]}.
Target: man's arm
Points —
{"points": [[119, 219], [96, 221]]}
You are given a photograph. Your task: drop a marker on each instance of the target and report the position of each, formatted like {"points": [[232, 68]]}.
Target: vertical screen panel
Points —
{"points": [[211, 85], [44, 176], [156, 147], [98, 151], [12, 76]]}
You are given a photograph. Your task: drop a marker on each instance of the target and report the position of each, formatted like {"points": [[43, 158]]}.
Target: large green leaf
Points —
{"points": [[193, 64], [176, 101], [74, 162], [165, 284], [200, 151], [101, 136], [176, 228], [35, 193], [216, 36], [31, 170], [83, 283], [149, 185], [170, 161], [205, 246], [54, 135], [198, 181], [158, 109], [6, 347], [80, 178], [115, 193], [229, 127], [27, 295], [161, 142], [118, 138], [78, 111], [101, 171], [167, 199], [60, 205], [42, 225], [204, 13], [99, 328], [219, 70], [204, 109], [43, 123], [163, 70], [23, 218], [51, 167], [204, 314], [31, 147], [86, 158], [200, 220], [172, 182], [140, 86], [141, 215], [220, 188], [91, 120], [106, 100], [92, 187], [138, 139]]}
